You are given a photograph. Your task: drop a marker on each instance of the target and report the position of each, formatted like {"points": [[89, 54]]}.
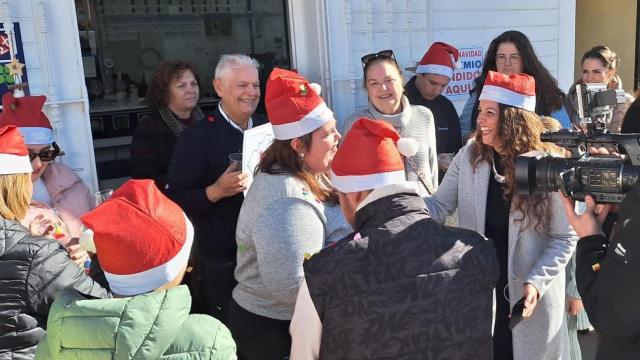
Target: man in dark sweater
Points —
{"points": [[608, 274], [403, 287], [432, 76], [209, 190]]}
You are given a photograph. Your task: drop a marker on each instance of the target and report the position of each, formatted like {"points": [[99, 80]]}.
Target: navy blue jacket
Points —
{"points": [[201, 155]]}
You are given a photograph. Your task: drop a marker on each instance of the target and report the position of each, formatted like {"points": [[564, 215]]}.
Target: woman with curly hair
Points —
{"points": [[531, 234], [512, 53], [173, 97]]}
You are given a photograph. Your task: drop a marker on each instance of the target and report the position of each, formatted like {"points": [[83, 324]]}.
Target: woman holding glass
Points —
{"points": [[34, 269], [385, 89], [531, 234], [60, 197]]}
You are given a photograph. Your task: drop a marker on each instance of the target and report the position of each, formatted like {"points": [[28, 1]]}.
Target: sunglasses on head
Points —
{"points": [[385, 54], [46, 155]]}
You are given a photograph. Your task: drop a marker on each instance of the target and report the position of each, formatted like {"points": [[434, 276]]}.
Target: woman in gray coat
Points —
{"points": [[532, 236]]}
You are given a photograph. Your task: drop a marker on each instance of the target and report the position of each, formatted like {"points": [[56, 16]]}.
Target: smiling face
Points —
{"points": [[594, 71], [431, 85], [38, 165], [183, 93], [384, 87], [239, 89], [489, 124], [508, 60], [322, 148]]}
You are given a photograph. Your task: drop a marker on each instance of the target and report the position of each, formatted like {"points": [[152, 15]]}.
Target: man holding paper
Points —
{"points": [[208, 186]]}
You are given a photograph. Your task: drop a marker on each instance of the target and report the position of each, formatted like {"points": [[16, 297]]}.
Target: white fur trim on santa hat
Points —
{"points": [[149, 280], [36, 135], [313, 120], [435, 69], [355, 183], [14, 164], [508, 97]]}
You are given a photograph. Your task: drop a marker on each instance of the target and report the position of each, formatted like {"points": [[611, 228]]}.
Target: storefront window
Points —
{"points": [[124, 40]]}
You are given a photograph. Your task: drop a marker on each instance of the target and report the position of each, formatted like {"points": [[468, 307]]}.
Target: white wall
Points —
{"points": [[354, 28], [54, 67]]}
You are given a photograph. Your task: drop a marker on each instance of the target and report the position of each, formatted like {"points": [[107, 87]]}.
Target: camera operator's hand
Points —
{"points": [[590, 222], [602, 151]]}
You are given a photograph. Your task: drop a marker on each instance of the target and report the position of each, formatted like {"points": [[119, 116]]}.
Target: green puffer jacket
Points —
{"points": [[156, 325]]}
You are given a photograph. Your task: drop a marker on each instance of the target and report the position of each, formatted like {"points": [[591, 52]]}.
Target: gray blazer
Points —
{"points": [[535, 257]]}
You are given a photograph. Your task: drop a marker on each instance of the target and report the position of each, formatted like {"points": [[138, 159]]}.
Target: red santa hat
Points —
{"points": [[26, 113], [517, 90], [441, 59], [294, 106], [371, 157], [142, 238], [14, 157]]}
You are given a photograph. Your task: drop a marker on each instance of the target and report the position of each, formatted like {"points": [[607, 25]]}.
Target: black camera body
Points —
{"points": [[606, 178]]}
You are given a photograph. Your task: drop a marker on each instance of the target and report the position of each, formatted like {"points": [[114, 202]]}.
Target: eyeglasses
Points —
{"points": [[46, 155], [502, 58], [385, 54]]}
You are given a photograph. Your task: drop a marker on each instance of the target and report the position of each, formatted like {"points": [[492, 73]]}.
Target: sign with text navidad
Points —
{"points": [[462, 80]]}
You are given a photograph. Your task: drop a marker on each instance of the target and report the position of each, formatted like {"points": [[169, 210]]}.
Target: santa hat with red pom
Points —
{"points": [[26, 113], [142, 238], [14, 157], [294, 106], [517, 90], [441, 59], [371, 157]]}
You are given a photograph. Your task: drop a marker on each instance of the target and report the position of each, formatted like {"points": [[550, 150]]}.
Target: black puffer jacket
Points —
{"points": [[33, 271]]}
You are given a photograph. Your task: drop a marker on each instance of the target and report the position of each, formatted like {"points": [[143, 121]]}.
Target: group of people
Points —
{"points": [[337, 250]]}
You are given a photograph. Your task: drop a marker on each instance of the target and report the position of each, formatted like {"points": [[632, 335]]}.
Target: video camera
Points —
{"points": [[606, 178]]}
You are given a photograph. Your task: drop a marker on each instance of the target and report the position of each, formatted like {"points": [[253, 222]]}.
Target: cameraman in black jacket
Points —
{"points": [[608, 274]]}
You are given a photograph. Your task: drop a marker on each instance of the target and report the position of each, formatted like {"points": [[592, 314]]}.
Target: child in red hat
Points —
{"points": [[143, 241]]}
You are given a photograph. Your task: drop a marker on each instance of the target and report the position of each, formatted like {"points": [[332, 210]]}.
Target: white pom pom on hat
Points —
{"points": [[407, 146], [316, 88]]}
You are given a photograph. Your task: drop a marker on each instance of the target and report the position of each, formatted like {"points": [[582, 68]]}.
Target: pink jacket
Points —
{"points": [[70, 198]]}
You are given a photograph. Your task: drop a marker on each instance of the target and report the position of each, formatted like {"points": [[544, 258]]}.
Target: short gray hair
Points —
{"points": [[228, 61]]}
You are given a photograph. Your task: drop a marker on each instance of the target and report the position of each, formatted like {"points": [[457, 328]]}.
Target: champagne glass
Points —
{"points": [[103, 195]]}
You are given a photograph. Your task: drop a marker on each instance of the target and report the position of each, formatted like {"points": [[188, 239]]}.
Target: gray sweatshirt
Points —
{"points": [[280, 220], [416, 122]]}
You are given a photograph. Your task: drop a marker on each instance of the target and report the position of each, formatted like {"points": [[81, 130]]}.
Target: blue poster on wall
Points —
{"points": [[12, 60]]}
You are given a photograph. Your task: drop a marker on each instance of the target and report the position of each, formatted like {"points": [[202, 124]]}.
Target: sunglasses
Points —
{"points": [[46, 155], [385, 54]]}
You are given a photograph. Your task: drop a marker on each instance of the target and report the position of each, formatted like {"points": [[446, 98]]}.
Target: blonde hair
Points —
{"points": [[14, 196]]}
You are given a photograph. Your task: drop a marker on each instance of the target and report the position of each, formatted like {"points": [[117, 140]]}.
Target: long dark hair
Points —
{"points": [[280, 158], [549, 97], [520, 131]]}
